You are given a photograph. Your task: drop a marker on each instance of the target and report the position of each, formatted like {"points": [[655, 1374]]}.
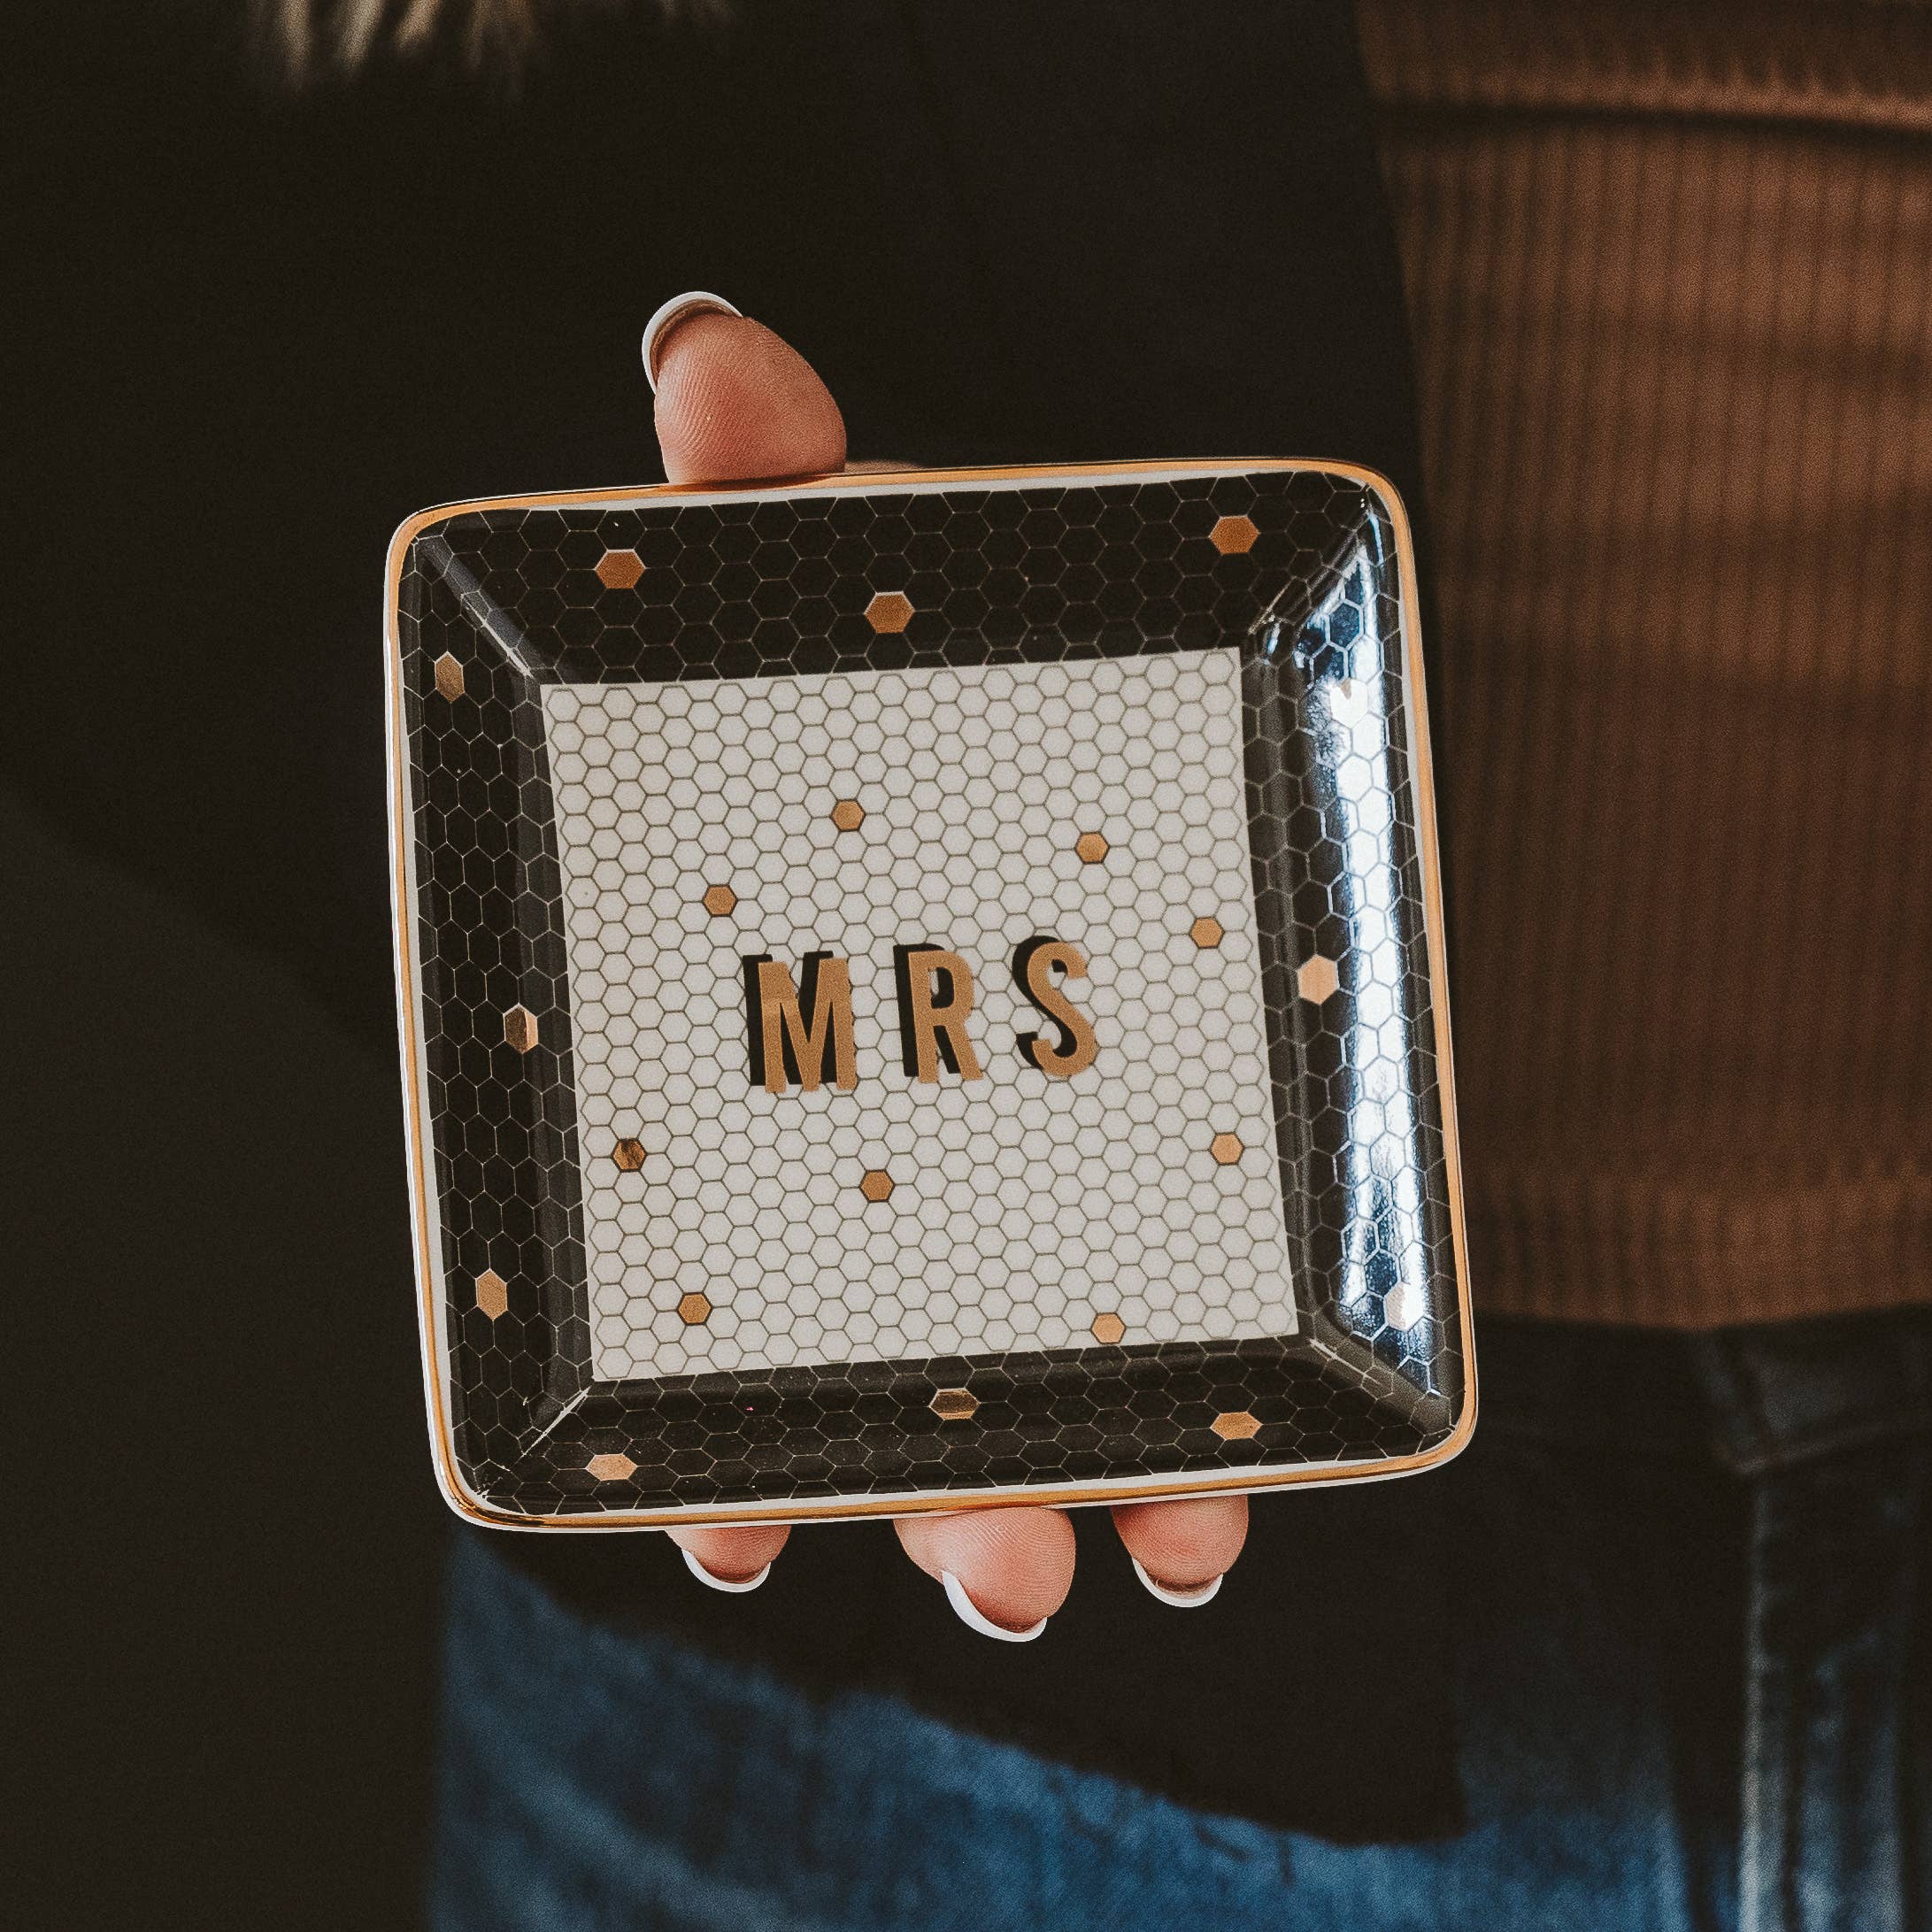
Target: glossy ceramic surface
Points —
{"points": [[1081, 824]]}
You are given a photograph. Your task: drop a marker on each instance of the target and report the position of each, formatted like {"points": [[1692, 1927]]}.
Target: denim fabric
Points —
{"points": [[1689, 1687]]}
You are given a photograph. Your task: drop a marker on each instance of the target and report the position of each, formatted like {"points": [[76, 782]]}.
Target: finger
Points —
{"points": [[1185, 1548], [1015, 1566], [731, 1560], [737, 403]]}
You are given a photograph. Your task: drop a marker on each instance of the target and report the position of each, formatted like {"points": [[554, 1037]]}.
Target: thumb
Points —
{"points": [[737, 403]]}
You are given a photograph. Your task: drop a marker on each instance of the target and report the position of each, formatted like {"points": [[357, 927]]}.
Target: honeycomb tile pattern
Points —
{"points": [[1047, 572], [1023, 1205]]}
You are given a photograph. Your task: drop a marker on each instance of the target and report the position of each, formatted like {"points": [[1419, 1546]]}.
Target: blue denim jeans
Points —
{"points": [[601, 1777]]}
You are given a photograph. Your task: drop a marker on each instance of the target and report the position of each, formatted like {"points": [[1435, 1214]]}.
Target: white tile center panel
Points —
{"points": [[1141, 1194]]}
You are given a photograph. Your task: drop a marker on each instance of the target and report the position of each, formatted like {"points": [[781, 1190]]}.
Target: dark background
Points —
{"points": [[223, 1644], [249, 329]]}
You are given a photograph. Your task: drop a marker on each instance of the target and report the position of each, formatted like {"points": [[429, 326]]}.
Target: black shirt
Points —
{"points": [[259, 324]]}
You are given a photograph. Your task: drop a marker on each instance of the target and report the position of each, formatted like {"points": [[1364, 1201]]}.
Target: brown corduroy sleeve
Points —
{"points": [[1671, 276]]}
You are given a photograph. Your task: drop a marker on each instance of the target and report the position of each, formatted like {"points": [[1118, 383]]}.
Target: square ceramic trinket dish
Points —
{"points": [[921, 989]]}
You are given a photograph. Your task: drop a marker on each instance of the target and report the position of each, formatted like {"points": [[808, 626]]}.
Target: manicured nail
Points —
{"points": [[724, 1584], [676, 309], [1181, 1599], [970, 1614]]}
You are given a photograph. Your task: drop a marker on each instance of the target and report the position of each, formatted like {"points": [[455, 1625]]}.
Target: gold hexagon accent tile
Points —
{"points": [[1108, 1330], [1226, 1148], [1205, 932], [449, 677], [519, 1028], [848, 814], [618, 570], [955, 1404], [694, 1308], [1233, 535], [889, 612], [628, 1155], [611, 1467], [877, 1185], [492, 1293], [1091, 848], [1236, 1426], [719, 901], [1316, 977]]}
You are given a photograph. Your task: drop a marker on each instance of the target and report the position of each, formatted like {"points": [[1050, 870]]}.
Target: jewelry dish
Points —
{"points": [[921, 990]]}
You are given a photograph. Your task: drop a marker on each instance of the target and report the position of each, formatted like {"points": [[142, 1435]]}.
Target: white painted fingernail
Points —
{"points": [[724, 1584], [970, 1614], [678, 306], [1181, 1599]]}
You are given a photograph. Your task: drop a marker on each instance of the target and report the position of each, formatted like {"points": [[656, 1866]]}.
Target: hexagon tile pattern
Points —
{"points": [[507, 610], [1030, 1205]]}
